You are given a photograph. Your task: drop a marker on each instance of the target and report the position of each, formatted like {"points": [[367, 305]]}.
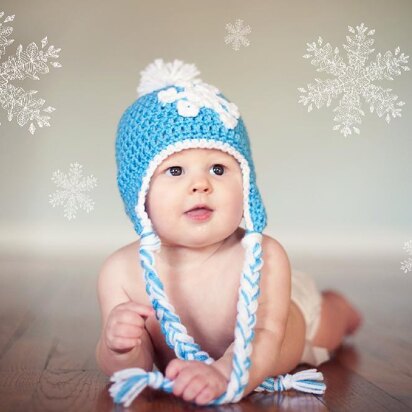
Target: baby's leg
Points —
{"points": [[338, 318]]}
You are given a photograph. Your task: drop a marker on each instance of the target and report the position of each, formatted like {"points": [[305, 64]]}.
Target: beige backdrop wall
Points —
{"points": [[324, 193]]}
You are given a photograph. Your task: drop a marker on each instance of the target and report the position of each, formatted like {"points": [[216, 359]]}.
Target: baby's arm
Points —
{"points": [[272, 316], [111, 294]]}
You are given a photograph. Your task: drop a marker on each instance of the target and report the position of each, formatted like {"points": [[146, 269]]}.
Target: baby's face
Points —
{"points": [[189, 178]]}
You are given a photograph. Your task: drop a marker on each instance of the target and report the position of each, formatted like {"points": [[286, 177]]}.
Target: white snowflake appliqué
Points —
{"points": [[71, 192], [406, 265], [354, 80], [237, 34], [24, 64], [197, 95]]}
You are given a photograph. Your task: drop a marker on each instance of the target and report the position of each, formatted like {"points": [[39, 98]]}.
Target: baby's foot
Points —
{"points": [[355, 320], [354, 317]]}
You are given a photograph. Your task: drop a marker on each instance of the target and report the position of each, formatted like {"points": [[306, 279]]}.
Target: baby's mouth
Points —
{"points": [[199, 213], [200, 206]]}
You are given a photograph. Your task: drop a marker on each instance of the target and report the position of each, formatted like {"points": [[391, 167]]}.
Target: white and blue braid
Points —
{"points": [[130, 382]]}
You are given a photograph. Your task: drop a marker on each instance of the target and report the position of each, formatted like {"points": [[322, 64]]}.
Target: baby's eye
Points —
{"points": [[218, 169], [175, 170]]}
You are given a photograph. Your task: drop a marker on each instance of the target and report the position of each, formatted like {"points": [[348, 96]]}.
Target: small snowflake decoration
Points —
{"points": [[237, 34], [354, 80], [27, 63], [71, 192], [406, 265]]}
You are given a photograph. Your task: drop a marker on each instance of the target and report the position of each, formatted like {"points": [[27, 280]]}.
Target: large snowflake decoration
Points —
{"points": [[26, 63], [406, 265], [354, 80], [237, 34], [72, 191]]}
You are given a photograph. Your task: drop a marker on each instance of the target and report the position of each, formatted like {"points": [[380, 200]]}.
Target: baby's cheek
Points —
{"points": [[235, 212]]}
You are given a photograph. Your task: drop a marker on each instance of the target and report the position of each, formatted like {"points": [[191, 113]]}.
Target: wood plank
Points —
{"points": [[70, 390], [75, 325], [30, 349], [284, 401], [17, 388], [348, 391], [24, 288], [379, 369], [36, 340]]}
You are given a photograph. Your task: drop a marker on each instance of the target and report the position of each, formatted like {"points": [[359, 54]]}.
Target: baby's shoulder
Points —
{"points": [[120, 267], [273, 253], [272, 246], [123, 257], [274, 256]]}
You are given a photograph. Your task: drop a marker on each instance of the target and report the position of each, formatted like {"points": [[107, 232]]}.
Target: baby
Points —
{"points": [[206, 290]]}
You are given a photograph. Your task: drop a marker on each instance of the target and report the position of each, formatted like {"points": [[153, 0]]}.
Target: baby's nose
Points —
{"points": [[201, 188], [201, 185]]}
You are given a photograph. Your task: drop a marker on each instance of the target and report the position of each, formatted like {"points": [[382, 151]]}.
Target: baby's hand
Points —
{"points": [[124, 326], [196, 381]]}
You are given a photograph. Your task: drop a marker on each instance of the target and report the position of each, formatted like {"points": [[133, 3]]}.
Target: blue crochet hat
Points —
{"points": [[177, 111]]}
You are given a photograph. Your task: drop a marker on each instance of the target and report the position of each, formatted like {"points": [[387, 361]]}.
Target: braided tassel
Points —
{"points": [[246, 318], [177, 337], [130, 382], [308, 380]]}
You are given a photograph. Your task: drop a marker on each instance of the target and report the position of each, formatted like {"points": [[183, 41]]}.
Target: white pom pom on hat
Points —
{"points": [[160, 74]]}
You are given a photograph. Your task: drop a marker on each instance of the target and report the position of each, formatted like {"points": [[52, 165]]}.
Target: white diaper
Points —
{"points": [[309, 300]]}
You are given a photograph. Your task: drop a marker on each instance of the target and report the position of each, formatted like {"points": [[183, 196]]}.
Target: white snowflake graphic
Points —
{"points": [[71, 190], [237, 34], [354, 80], [27, 63], [406, 265]]}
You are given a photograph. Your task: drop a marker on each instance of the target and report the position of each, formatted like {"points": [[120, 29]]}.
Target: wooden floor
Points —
{"points": [[49, 325]]}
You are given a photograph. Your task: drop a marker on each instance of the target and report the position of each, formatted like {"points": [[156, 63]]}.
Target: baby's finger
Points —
{"points": [[130, 317], [205, 395], [120, 344], [127, 330], [194, 387], [183, 378], [142, 310], [174, 367]]}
